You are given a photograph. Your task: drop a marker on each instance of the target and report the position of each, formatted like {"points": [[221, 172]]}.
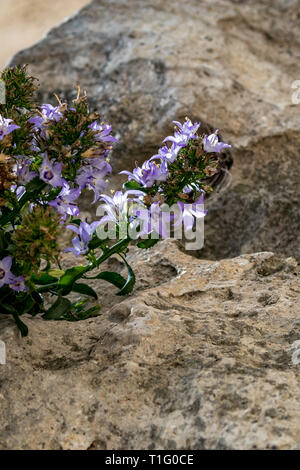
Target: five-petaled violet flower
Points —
{"points": [[64, 203], [5, 275], [211, 143], [84, 234], [6, 127], [50, 172]]}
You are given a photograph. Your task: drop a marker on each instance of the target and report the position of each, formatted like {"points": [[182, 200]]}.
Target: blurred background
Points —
{"points": [[24, 22]]}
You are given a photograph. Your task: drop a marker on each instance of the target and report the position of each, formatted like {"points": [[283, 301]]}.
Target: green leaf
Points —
{"points": [[127, 288], [58, 309], [28, 304], [132, 185], [114, 278], [11, 310], [79, 313], [91, 312], [43, 279], [81, 288], [71, 275], [145, 244]]}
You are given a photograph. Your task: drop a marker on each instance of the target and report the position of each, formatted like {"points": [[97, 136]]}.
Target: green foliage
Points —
{"points": [[20, 91]]}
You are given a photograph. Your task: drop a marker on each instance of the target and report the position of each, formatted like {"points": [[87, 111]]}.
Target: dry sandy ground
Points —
{"points": [[24, 22]]}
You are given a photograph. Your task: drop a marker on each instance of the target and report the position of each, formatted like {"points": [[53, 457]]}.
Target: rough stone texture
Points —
{"points": [[204, 355], [228, 63]]}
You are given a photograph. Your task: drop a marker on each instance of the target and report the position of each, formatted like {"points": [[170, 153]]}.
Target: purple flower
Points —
{"points": [[6, 127], [24, 174], [166, 153], [185, 132], [5, 275], [50, 172], [103, 132], [211, 143], [37, 121], [84, 234], [188, 128], [92, 176], [64, 203], [148, 173], [17, 284], [53, 113], [49, 113], [116, 207]]}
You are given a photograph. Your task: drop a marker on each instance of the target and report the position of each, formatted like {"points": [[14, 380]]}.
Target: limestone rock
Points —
{"points": [[203, 355], [229, 64]]}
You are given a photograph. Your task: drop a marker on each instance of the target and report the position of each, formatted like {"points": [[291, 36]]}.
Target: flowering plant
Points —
{"points": [[49, 156]]}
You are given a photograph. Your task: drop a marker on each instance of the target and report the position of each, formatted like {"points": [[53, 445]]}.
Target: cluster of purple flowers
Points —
{"points": [[49, 156], [123, 207], [153, 172], [91, 175], [7, 277]]}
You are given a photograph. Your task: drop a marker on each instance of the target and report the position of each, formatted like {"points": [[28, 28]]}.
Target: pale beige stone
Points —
{"points": [[192, 359]]}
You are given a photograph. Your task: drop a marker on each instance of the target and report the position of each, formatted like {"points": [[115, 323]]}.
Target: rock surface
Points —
{"points": [[203, 355], [230, 64]]}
